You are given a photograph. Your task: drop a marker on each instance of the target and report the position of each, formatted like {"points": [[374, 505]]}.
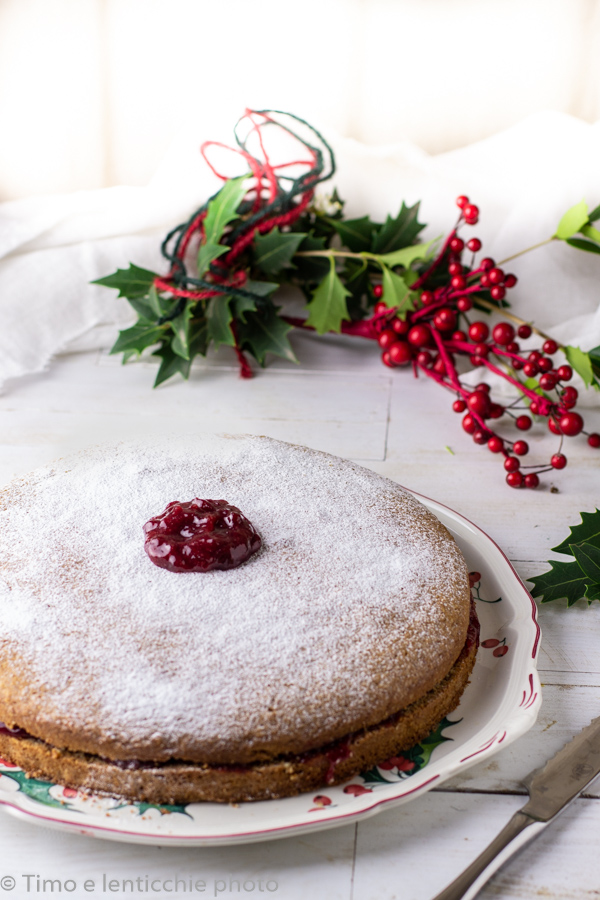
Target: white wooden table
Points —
{"points": [[342, 400]]}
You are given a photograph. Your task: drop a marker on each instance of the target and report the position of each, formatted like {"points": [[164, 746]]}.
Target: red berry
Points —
{"points": [[544, 364], [524, 331], [400, 353], [469, 424], [571, 424], [457, 245], [459, 406], [495, 444], [463, 304], [471, 213], [513, 347], [387, 359], [496, 275], [521, 448], [531, 480], [530, 369], [455, 268], [479, 402], [419, 335], [558, 461], [517, 364], [478, 332], [511, 464], [484, 281], [548, 381], [510, 280], [458, 283], [459, 336], [401, 326], [480, 436], [514, 479], [491, 642], [569, 397], [378, 290], [425, 359], [445, 319], [380, 308], [498, 292], [500, 651], [535, 356], [503, 333], [482, 386], [462, 201], [474, 245], [487, 263], [550, 347], [553, 426], [496, 411], [386, 338], [594, 439], [439, 365], [565, 373], [523, 423], [427, 297], [481, 350]]}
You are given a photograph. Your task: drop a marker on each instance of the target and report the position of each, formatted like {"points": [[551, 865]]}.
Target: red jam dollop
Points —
{"points": [[199, 536]]}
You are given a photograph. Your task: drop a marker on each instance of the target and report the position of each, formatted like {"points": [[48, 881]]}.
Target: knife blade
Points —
{"points": [[550, 789]]}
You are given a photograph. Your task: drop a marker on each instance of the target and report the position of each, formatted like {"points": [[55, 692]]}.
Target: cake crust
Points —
{"points": [[356, 607]]}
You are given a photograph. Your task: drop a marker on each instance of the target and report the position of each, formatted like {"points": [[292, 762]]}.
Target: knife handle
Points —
{"points": [[515, 834]]}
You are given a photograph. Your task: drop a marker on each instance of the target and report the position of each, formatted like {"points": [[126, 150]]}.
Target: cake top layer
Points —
{"points": [[356, 604]]}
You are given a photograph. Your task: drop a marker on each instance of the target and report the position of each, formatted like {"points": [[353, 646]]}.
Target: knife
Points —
{"points": [[551, 789]]}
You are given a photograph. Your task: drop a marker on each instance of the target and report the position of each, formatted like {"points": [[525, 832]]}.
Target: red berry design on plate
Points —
{"points": [[357, 790]]}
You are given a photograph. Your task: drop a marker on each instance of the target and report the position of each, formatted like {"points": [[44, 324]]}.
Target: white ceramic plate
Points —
{"points": [[500, 704]]}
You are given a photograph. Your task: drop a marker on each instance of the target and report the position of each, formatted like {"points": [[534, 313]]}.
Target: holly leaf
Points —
{"points": [[592, 592], [434, 740], [356, 234], [222, 209], [572, 221], [164, 809], [171, 364], [265, 332], [261, 288], [590, 232], [328, 307], [243, 305], [396, 292], [582, 364], [142, 307], [399, 232], [181, 328], [131, 283], [160, 306], [587, 531], [588, 559], [580, 244], [407, 255], [218, 321], [274, 250], [137, 338], [207, 254], [312, 268], [565, 580], [37, 790]]}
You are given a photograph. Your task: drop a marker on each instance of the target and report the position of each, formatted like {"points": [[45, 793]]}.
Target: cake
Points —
{"points": [[345, 639]]}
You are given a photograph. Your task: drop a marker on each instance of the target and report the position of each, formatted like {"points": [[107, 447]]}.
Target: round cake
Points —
{"points": [[343, 640]]}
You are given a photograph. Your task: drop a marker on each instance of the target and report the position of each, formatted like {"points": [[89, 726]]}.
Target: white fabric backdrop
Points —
{"points": [[522, 179]]}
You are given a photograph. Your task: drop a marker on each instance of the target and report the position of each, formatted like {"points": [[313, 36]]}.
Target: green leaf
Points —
{"points": [[160, 306], [356, 234], [142, 307], [407, 255], [572, 221], [588, 559], [594, 215], [581, 362], [171, 364], [207, 253], [590, 232], [181, 328], [131, 283], [261, 288], [137, 338], [328, 307], [396, 292], [587, 531], [265, 332], [311, 269], [592, 592], [580, 244], [565, 580], [243, 305], [274, 250], [399, 232], [222, 209], [218, 319], [37, 790]]}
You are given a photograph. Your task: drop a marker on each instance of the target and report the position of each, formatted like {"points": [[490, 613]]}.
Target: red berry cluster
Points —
{"points": [[430, 339]]}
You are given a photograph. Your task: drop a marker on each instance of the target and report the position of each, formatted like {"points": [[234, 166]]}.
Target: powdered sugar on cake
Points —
{"points": [[338, 619]]}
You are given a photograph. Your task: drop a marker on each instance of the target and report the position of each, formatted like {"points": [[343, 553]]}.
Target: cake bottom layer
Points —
{"points": [[180, 782]]}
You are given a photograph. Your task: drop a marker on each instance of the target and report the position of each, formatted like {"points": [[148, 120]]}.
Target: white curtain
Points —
{"points": [[92, 92]]}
